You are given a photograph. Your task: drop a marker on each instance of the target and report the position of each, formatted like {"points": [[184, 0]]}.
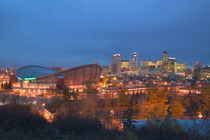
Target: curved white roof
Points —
{"points": [[34, 72]]}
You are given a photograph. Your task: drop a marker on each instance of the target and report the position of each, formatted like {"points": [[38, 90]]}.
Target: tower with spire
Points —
{"points": [[134, 62]]}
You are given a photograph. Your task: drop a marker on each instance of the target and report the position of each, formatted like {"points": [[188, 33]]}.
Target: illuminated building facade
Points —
{"points": [[172, 66], [7, 75], [116, 64], [150, 67], [181, 68], [205, 72], [7, 71], [165, 61], [146, 63], [146, 67], [134, 62], [125, 66], [104, 80], [159, 64]]}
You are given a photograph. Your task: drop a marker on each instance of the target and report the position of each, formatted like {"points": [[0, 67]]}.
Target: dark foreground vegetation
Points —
{"points": [[23, 122], [87, 118]]}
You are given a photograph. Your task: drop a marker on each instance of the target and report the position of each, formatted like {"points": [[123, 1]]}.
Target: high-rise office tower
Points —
{"points": [[159, 65], [116, 64], [165, 61], [181, 68], [125, 66], [172, 67], [197, 70], [134, 62]]}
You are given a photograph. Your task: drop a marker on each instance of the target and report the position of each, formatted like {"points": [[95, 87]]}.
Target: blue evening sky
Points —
{"points": [[68, 33]]}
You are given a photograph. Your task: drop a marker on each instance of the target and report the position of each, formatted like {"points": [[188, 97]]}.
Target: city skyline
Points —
{"points": [[110, 63], [104, 69], [68, 34]]}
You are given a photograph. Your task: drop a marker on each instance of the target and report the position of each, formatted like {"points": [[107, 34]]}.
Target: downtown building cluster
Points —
{"points": [[168, 66], [177, 77]]}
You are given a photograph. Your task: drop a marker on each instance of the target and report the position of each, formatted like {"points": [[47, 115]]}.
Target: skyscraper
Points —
{"points": [[125, 65], [116, 64], [134, 62], [165, 61], [172, 67], [197, 70], [181, 68]]}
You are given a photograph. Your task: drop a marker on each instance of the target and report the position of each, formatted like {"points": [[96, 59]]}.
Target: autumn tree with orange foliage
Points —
{"points": [[90, 103], [176, 107], [204, 105], [155, 105]]}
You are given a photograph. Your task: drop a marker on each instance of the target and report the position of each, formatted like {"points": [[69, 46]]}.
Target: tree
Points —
{"points": [[90, 89], [122, 90], [132, 110], [108, 101], [90, 103], [155, 105], [15, 99], [9, 85], [74, 95], [162, 130], [21, 118], [123, 99], [4, 98], [66, 95], [6, 85], [176, 107], [204, 105], [2, 86], [148, 84], [191, 104]]}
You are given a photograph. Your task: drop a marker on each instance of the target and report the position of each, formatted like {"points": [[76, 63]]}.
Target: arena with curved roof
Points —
{"points": [[34, 78], [33, 72], [76, 75]]}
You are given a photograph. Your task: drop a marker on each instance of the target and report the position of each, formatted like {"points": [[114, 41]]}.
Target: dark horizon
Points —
{"points": [[68, 34]]}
